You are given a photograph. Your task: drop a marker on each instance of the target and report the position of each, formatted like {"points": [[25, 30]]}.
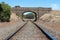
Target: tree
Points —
{"points": [[5, 12], [30, 15], [1, 8]]}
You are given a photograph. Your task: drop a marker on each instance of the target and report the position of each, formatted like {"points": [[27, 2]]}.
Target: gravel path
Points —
{"points": [[29, 32], [6, 31], [50, 30]]}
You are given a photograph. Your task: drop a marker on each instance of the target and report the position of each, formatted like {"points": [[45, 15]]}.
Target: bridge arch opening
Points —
{"points": [[29, 15]]}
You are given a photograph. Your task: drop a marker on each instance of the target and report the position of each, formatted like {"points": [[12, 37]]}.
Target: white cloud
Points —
{"points": [[55, 6]]}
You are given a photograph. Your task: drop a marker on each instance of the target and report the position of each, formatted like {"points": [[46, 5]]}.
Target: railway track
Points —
{"points": [[29, 31]]}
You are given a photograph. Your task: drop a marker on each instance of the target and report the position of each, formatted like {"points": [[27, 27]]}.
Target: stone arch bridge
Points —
{"points": [[38, 10]]}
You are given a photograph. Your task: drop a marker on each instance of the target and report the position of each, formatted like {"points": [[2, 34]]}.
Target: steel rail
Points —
{"points": [[11, 35], [49, 36]]}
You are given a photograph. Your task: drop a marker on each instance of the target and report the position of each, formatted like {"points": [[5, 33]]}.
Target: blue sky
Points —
{"points": [[54, 4]]}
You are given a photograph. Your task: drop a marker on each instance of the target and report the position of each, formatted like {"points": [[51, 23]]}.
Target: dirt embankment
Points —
{"points": [[53, 16], [51, 20], [13, 21]]}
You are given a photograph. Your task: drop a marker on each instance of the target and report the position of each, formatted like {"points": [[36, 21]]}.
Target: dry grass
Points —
{"points": [[54, 17], [14, 17], [52, 21], [12, 22]]}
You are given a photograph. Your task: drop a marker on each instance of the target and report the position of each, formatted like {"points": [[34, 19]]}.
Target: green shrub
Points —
{"points": [[4, 12], [29, 15]]}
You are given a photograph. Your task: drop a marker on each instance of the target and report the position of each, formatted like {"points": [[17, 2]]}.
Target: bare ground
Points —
{"points": [[7, 28], [52, 28]]}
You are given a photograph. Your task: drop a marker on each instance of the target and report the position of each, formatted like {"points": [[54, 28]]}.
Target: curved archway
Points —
{"points": [[34, 16]]}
